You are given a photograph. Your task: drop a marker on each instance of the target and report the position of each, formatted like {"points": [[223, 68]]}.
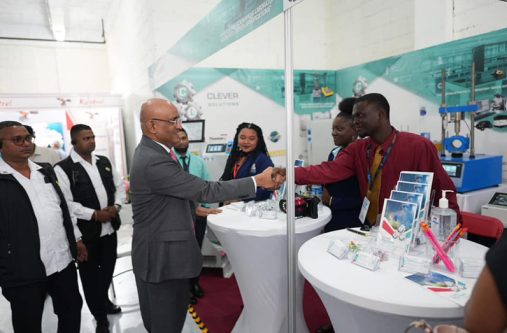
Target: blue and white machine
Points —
{"points": [[469, 172]]}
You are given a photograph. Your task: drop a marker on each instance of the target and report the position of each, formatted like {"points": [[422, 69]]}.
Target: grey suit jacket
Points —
{"points": [[163, 245]]}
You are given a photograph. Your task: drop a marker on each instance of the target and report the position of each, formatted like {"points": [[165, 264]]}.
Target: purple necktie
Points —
{"points": [[173, 155]]}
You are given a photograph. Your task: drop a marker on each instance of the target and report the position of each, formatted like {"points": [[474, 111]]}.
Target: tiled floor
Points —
{"points": [[129, 321]]}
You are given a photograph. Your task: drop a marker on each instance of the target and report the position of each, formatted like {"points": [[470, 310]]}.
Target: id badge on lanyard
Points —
{"points": [[364, 209], [366, 202]]}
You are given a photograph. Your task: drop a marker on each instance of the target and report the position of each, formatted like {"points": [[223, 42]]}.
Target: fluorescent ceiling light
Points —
{"points": [[56, 16], [59, 34]]}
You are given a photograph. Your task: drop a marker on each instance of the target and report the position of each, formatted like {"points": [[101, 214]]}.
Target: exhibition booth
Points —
{"points": [[453, 94], [423, 101]]}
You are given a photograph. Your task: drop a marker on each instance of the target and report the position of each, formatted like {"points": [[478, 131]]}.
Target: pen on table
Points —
{"points": [[357, 232], [434, 242], [450, 243], [446, 246]]}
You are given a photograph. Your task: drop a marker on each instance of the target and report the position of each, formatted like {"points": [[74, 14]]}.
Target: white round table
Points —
{"points": [[257, 250], [359, 300]]}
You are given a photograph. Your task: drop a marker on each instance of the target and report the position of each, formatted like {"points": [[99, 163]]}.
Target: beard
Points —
{"points": [[182, 150]]}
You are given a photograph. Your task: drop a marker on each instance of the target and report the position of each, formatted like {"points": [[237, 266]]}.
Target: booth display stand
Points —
{"points": [[359, 300], [257, 251]]}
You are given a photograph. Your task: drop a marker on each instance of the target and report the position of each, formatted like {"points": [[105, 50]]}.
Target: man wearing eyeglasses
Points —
{"points": [[165, 253], [95, 193], [37, 238]]}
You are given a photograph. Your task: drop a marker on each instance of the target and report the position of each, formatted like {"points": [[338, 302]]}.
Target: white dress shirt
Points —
{"points": [[81, 211], [54, 245]]}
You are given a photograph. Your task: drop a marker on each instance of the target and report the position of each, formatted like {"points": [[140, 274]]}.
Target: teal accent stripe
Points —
{"points": [[226, 23]]}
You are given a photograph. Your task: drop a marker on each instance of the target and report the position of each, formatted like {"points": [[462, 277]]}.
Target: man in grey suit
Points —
{"points": [[165, 253]]}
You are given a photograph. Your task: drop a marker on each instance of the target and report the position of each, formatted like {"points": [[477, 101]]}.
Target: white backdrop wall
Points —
{"points": [[138, 33], [473, 17], [329, 34], [366, 30], [50, 67]]}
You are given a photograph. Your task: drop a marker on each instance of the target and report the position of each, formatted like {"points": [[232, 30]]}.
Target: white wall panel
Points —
{"points": [[45, 67]]}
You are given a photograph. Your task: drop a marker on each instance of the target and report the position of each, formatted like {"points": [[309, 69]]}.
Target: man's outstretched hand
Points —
{"points": [[265, 180], [278, 176]]}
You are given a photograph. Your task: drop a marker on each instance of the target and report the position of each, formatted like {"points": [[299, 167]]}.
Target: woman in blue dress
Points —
{"points": [[249, 156]]}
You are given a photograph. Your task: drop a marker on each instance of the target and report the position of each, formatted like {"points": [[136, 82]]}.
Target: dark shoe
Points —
{"points": [[102, 326], [197, 290], [112, 308], [325, 329]]}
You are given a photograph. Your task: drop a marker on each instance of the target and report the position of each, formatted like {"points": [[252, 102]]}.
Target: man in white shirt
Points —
{"points": [[95, 193], [37, 238]]}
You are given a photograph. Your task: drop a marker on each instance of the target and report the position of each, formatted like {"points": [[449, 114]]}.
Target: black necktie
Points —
{"points": [[184, 162]]}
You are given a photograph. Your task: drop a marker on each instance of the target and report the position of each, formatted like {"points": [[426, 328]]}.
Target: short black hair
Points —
{"points": [[78, 128], [377, 99], [9, 123], [30, 130], [345, 106]]}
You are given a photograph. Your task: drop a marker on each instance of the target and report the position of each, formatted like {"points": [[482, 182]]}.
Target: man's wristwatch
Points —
{"points": [[118, 207]]}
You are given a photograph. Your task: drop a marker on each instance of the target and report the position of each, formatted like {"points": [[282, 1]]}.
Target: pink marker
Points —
{"points": [[434, 242]]}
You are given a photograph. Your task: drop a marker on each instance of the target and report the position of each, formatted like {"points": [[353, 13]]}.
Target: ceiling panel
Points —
{"points": [[30, 19]]}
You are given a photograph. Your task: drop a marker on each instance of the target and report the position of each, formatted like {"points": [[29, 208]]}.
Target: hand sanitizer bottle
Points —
{"points": [[443, 219]]}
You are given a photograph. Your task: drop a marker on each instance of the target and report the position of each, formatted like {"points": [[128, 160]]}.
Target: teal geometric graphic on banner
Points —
{"points": [[199, 77], [354, 81], [226, 23], [267, 82], [314, 91], [420, 72]]}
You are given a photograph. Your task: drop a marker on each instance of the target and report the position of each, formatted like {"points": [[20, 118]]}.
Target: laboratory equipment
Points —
{"points": [[215, 156], [469, 172], [497, 207]]}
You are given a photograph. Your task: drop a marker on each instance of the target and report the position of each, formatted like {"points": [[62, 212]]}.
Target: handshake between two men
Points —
{"points": [[271, 178]]}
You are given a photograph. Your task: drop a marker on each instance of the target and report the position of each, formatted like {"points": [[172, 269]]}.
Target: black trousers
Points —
{"points": [[96, 273], [200, 231], [27, 302]]}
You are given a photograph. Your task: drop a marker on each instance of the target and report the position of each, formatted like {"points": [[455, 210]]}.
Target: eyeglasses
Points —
{"points": [[173, 122], [19, 140]]}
